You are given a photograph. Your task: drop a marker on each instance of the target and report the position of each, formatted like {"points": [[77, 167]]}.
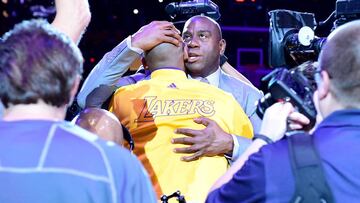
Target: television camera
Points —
{"points": [[292, 42]]}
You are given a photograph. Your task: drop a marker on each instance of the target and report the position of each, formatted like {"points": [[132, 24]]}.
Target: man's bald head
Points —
{"points": [[165, 55], [340, 58], [102, 123], [209, 21]]}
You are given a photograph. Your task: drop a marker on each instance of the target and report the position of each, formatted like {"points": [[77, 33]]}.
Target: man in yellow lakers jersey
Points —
{"points": [[153, 109]]}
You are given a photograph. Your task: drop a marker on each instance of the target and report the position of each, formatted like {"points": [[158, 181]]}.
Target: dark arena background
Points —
{"points": [[245, 25]]}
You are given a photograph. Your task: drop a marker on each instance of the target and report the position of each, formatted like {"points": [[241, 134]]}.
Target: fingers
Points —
{"points": [[193, 157], [178, 39], [299, 118], [274, 123], [150, 35], [286, 108], [195, 150], [170, 33], [203, 120], [183, 140], [297, 121], [295, 126], [278, 111], [167, 24], [283, 110], [171, 40], [187, 150], [188, 132]]}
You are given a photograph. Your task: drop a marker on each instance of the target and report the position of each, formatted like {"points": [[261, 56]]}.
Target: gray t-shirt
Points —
{"points": [[1, 110]]}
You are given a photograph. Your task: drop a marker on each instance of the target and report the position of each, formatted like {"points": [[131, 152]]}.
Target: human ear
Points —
{"points": [[324, 85], [222, 45]]}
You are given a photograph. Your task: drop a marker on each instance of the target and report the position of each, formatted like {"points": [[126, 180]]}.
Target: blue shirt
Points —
{"points": [[1, 110], [267, 176], [46, 161]]}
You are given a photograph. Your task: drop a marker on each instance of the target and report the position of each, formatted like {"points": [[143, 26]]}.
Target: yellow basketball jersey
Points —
{"points": [[153, 109]]}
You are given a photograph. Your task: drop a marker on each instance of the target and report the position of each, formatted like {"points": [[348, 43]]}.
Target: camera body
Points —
{"points": [[294, 85], [346, 10], [291, 43], [285, 48], [186, 9], [291, 81]]}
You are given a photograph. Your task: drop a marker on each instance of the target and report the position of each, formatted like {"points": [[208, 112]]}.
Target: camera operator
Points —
{"points": [[267, 175]]}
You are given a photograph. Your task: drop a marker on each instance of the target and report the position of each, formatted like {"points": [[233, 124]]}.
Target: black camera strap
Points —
{"points": [[310, 182]]}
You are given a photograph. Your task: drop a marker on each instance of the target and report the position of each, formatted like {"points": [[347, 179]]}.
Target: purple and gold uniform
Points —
{"points": [[153, 109]]}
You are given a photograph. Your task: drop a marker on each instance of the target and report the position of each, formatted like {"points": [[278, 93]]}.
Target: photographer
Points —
{"points": [[267, 175]]}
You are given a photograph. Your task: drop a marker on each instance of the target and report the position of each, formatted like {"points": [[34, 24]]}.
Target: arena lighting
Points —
{"points": [[245, 1], [181, 11], [257, 4], [5, 14]]}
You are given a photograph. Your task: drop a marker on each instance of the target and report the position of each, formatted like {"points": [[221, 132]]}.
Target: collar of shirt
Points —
{"points": [[168, 73], [213, 78], [348, 117]]}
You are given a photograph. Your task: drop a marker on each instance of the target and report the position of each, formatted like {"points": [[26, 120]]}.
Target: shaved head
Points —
{"points": [[340, 58], [101, 122], [214, 25], [165, 55]]}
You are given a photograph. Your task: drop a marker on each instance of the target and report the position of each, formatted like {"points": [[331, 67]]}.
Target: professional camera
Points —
{"points": [[186, 9], [346, 11], [296, 85], [292, 39], [293, 42]]}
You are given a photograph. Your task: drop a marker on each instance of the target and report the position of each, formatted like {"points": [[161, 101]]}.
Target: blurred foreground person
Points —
{"points": [[43, 158], [102, 123]]}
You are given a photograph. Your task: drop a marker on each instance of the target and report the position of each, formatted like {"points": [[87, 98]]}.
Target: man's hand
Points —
{"points": [[72, 17], [155, 33], [274, 123], [210, 141], [297, 121], [278, 117]]}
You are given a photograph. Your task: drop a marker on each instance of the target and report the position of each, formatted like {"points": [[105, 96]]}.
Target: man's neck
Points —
{"points": [[38, 111], [204, 74], [213, 78]]}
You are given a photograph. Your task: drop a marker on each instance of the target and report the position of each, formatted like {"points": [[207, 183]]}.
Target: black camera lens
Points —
{"points": [[264, 103]]}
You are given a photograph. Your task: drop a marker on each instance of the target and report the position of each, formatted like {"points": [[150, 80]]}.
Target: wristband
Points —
{"points": [[263, 137]]}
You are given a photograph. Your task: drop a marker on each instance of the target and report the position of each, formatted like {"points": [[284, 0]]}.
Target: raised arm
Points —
{"points": [[72, 17], [102, 80]]}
